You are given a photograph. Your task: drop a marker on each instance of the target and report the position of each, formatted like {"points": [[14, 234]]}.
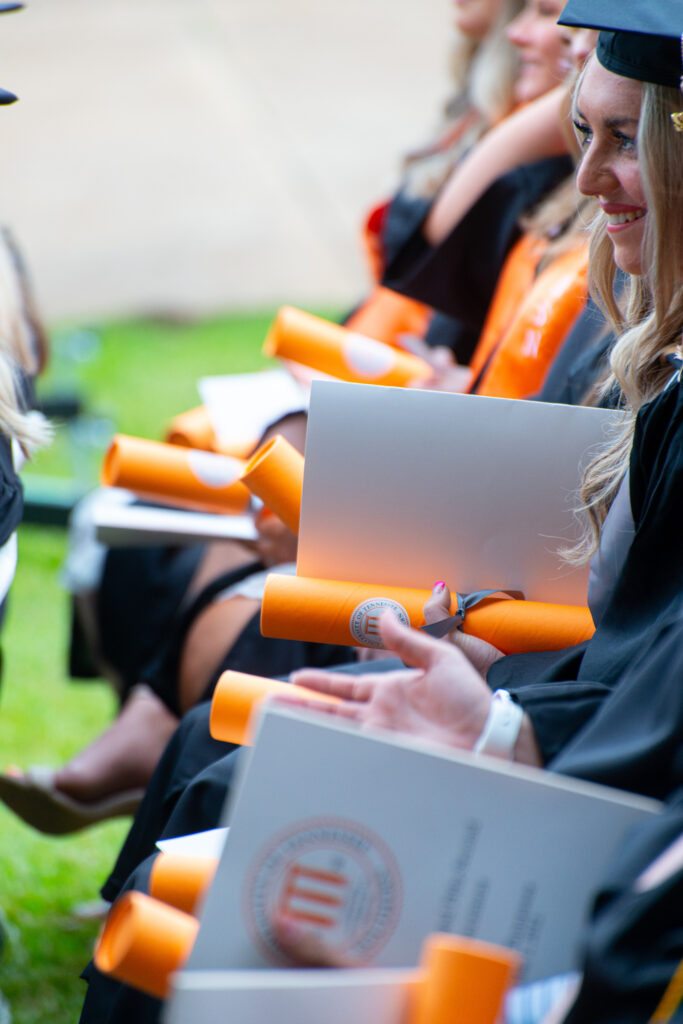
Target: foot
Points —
{"points": [[125, 755]]}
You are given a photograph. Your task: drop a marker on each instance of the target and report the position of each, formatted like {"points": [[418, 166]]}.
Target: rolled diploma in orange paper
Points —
{"points": [[144, 941], [275, 474], [192, 429], [333, 349], [333, 612], [181, 879], [179, 476], [236, 696], [464, 980]]}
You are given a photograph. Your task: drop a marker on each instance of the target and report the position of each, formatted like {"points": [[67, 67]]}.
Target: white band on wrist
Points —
{"points": [[501, 728]]}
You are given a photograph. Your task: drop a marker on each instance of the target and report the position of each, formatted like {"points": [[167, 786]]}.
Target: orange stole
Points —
{"points": [[514, 281], [519, 365]]}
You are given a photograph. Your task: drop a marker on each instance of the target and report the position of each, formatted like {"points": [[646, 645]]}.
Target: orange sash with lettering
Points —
{"points": [[518, 366], [514, 282]]}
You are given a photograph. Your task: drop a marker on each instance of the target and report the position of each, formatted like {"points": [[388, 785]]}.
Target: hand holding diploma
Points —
{"points": [[447, 374], [276, 543], [481, 653], [439, 697]]}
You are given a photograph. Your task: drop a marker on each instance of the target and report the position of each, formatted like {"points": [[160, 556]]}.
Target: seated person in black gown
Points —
{"points": [[609, 710]]}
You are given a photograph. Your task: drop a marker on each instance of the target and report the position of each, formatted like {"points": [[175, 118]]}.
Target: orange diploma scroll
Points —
{"points": [[181, 879], [236, 695], [325, 346], [275, 474], [385, 315], [464, 977], [175, 475], [334, 612], [192, 429], [144, 941]]}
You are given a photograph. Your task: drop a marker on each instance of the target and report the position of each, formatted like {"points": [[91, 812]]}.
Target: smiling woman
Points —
{"points": [[542, 48], [632, 154], [606, 122]]}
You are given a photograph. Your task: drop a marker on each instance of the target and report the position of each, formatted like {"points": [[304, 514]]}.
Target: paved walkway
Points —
{"points": [[194, 155]]}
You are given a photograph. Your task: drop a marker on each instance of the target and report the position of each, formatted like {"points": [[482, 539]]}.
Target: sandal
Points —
{"points": [[33, 798]]}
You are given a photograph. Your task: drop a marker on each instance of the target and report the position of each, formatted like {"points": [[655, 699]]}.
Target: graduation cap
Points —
{"points": [[640, 39], [7, 97]]}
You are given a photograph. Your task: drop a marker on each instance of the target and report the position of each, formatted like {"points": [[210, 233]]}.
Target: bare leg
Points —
{"points": [[124, 756], [209, 638]]}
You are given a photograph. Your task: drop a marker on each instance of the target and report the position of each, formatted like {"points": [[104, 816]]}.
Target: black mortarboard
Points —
{"points": [[640, 39]]}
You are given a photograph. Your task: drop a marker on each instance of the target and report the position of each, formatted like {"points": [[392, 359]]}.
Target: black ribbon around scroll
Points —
{"points": [[465, 602]]}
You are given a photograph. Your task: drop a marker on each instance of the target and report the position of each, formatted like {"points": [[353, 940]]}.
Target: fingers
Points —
{"points": [[275, 543], [479, 652], [346, 687], [303, 945], [414, 648], [343, 709], [438, 606]]}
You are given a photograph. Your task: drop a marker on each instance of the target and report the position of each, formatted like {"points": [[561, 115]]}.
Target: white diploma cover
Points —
{"points": [[376, 841], [405, 487]]}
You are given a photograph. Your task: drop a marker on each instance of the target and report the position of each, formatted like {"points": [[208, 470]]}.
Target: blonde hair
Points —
{"points": [[649, 322], [483, 74], [494, 67], [23, 348]]}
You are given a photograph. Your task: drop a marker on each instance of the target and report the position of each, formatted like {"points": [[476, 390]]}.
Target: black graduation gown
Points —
{"points": [[11, 500], [581, 361], [160, 600], [583, 358], [11, 492], [458, 277], [634, 940], [611, 709], [564, 699]]}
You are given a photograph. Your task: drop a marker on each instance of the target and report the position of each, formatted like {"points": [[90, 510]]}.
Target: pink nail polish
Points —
{"points": [[439, 585]]}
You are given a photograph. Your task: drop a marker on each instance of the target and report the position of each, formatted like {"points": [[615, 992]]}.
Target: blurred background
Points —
{"points": [[189, 156]]}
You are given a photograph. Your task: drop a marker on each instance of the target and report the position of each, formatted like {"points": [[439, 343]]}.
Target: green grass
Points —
{"points": [[43, 719], [134, 377]]}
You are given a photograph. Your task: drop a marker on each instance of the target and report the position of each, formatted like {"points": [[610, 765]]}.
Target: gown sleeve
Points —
{"points": [[11, 493], [614, 714], [633, 945], [458, 276]]}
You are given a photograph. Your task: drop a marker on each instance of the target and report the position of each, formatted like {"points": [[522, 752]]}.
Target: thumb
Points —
{"points": [[414, 648], [438, 605]]}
